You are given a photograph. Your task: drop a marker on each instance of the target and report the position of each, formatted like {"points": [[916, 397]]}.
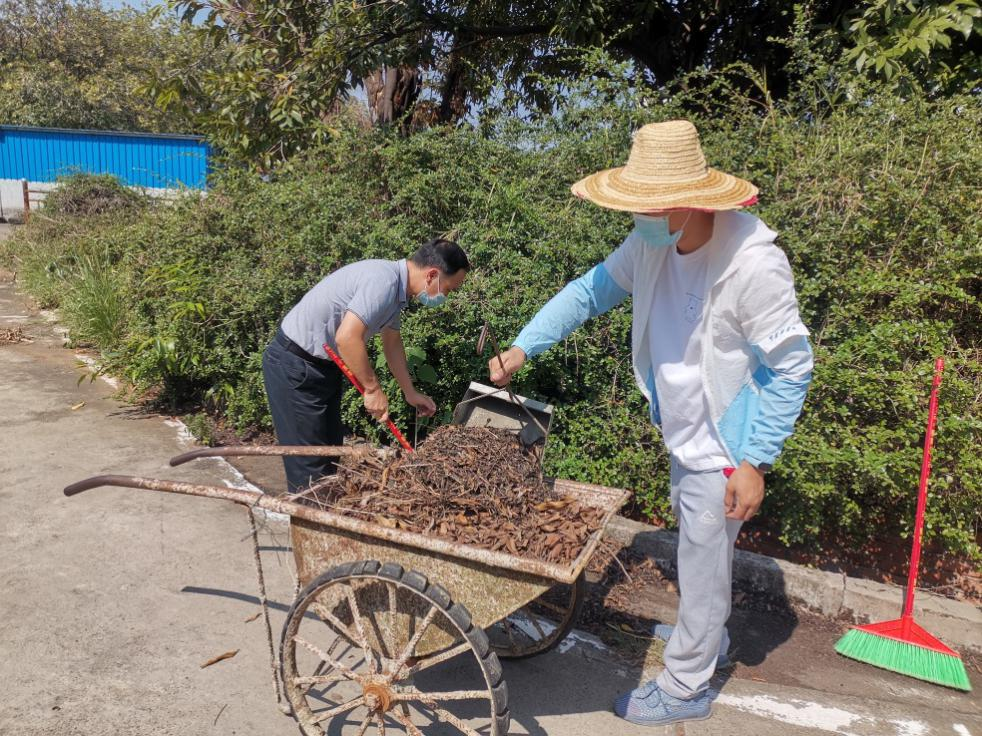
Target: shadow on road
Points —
{"points": [[630, 594]]}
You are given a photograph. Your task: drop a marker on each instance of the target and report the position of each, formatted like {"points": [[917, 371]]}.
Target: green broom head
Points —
{"points": [[903, 646]]}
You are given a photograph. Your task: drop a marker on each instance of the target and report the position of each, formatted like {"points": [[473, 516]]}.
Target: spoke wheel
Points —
{"points": [[541, 625], [369, 648]]}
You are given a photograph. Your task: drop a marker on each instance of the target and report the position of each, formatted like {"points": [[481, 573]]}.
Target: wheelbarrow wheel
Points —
{"points": [[371, 647], [541, 625]]}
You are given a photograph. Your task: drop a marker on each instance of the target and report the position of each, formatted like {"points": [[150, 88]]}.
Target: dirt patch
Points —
{"points": [[880, 558], [886, 560], [474, 486], [771, 642], [211, 429]]}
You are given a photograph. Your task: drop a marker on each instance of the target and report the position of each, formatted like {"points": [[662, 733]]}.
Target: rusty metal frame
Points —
{"points": [[610, 499], [279, 450]]}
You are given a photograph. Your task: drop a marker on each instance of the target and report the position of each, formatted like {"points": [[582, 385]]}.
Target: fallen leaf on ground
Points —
{"points": [[219, 658], [12, 336], [79, 405], [626, 629]]}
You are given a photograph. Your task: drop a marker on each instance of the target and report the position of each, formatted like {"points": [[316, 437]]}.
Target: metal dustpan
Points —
{"points": [[488, 406]]}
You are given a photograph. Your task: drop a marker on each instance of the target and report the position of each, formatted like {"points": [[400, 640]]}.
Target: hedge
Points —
{"points": [[876, 200]]}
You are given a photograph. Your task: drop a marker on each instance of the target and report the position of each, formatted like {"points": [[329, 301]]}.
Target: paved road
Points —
{"points": [[111, 601]]}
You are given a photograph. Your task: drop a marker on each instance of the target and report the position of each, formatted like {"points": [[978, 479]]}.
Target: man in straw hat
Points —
{"points": [[720, 352]]}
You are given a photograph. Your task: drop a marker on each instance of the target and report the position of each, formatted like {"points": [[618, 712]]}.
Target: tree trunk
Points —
{"points": [[453, 100], [392, 92]]}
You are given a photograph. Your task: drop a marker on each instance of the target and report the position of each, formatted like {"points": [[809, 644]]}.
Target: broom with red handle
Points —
{"points": [[357, 384], [901, 645]]}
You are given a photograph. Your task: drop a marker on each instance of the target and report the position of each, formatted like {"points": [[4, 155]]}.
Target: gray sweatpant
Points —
{"points": [[705, 563]]}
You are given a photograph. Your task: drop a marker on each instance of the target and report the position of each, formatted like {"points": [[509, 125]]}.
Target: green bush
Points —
{"points": [[85, 195], [875, 199]]}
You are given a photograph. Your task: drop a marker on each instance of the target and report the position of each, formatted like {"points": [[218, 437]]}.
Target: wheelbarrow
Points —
{"points": [[397, 629]]}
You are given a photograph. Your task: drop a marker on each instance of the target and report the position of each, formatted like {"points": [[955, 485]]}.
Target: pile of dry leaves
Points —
{"points": [[475, 486], [12, 336]]}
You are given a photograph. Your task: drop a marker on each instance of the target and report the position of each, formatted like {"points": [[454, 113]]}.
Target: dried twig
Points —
{"points": [[215, 722], [474, 486]]}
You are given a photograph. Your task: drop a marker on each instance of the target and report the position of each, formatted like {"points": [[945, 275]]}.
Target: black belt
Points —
{"points": [[292, 347]]}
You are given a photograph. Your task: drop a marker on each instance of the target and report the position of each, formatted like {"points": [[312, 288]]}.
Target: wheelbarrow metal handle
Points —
{"points": [[235, 495], [272, 451], [338, 523]]}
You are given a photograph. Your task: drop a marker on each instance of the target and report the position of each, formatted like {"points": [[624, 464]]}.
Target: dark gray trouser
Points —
{"points": [[305, 401], [705, 563]]}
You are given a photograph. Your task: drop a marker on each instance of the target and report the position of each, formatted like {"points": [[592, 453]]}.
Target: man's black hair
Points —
{"points": [[443, 254]]}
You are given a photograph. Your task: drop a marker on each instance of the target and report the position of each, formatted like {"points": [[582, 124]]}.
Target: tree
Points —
{"points": [[287, 64], [77, 65], [935, 44]]}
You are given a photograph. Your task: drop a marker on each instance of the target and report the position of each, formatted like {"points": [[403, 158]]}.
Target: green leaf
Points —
{"points": [[427, 374], [415, 353]]}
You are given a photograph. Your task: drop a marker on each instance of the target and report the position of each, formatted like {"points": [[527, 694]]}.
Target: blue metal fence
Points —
{"points": [[137, 159]]}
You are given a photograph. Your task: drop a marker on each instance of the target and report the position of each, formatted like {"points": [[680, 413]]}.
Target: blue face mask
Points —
{"points": [[432, 301], [654, 231]]}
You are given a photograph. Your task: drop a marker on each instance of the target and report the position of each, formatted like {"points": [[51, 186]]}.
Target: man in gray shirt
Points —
{"points": [[345, 310]]}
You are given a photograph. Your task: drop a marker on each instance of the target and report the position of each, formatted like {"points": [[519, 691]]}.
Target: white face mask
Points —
{"points": [[654, 231]]}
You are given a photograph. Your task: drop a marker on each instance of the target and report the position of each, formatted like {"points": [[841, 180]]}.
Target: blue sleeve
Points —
{"points": [[784, 376], [593, 293]]}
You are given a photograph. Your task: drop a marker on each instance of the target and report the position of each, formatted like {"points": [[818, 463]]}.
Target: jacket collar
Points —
{"points": [[744, 233]]}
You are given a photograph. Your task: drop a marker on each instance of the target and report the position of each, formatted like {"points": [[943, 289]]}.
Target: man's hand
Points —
{"points": [[423, 403], [744, 492], [513, 359], [376, 403]]}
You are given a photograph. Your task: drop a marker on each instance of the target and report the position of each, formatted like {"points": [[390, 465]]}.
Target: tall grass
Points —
{"points": [[96, 307]]}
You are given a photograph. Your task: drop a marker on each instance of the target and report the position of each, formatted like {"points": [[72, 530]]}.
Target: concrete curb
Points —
{"points": [[834, 595]]}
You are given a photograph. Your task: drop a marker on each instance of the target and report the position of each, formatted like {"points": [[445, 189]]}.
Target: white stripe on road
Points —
{"points": [[238, 481], [91, 363], [961, 730], [825, 718]]}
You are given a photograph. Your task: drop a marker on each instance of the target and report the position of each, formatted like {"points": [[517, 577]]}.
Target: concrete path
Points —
{"points": [[111, 601]]}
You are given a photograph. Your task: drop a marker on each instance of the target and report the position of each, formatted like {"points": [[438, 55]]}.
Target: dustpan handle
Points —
{"points": [[357, 384], [915, 555]]}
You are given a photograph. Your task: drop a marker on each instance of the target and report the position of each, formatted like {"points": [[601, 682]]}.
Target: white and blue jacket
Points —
{"points": [[756, 360]]}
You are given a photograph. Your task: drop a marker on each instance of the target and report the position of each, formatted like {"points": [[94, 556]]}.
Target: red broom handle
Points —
{"points": [[915, 555], [357, 384]]}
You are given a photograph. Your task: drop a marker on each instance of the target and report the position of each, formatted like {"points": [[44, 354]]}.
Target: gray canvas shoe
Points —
{"points": [[648, 705]]}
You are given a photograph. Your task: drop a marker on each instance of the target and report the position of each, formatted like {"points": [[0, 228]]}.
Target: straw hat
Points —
{"points": [[666, 170]]}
